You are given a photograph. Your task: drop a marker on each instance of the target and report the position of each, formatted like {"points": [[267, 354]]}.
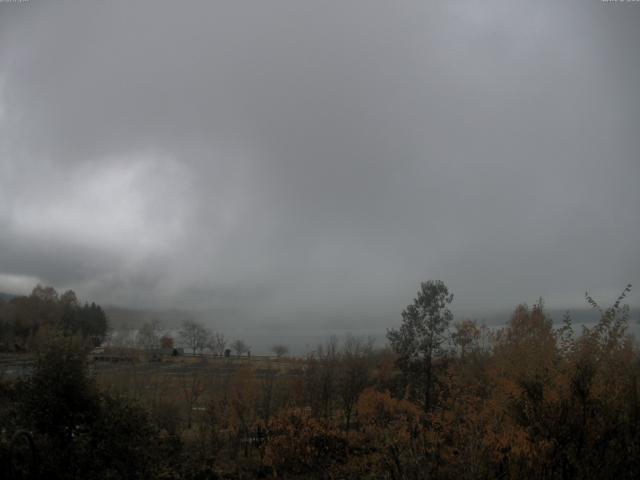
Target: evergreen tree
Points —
{"points": [[420, 337]]}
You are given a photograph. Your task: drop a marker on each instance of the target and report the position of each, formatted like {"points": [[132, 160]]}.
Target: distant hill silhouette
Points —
{"points": [[7, 296], [123, 318]]}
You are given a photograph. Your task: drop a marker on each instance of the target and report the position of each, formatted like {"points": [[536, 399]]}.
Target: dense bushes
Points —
{"points": [[78, 431], [541, 402], [530, 400]]}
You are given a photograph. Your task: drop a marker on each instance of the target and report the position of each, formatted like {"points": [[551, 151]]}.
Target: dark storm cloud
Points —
{"points": [[316, 160]]}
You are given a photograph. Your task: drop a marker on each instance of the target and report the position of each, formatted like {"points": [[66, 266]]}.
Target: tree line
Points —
{"points": [[193, 336], [24, 319], [447, 400]]}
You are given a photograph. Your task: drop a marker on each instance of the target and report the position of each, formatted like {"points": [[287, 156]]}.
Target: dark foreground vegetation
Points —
{"points": [[448, 400]]}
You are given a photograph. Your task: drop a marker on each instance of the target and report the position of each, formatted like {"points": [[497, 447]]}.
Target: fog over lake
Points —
{"points": [[305, 165]]}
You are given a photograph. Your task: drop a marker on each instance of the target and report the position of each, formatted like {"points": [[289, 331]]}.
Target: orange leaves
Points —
{"points": [[301, 444], [241, 399], [381, 409]]}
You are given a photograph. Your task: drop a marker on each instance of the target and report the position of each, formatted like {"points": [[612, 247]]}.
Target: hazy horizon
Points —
{"points": [[310, 163]]}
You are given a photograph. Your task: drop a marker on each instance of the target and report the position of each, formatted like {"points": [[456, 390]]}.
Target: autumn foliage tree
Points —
{"points": [[465, 336], [532, 399]]}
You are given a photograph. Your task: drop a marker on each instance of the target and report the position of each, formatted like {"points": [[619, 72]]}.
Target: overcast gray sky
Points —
{"points": [[313, 161]]}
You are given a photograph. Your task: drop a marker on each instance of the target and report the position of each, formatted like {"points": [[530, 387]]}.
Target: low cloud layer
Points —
{"points": [[314, 161]]}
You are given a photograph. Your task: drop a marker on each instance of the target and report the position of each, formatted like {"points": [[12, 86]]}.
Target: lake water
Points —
{"points": [[302, 341]]}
